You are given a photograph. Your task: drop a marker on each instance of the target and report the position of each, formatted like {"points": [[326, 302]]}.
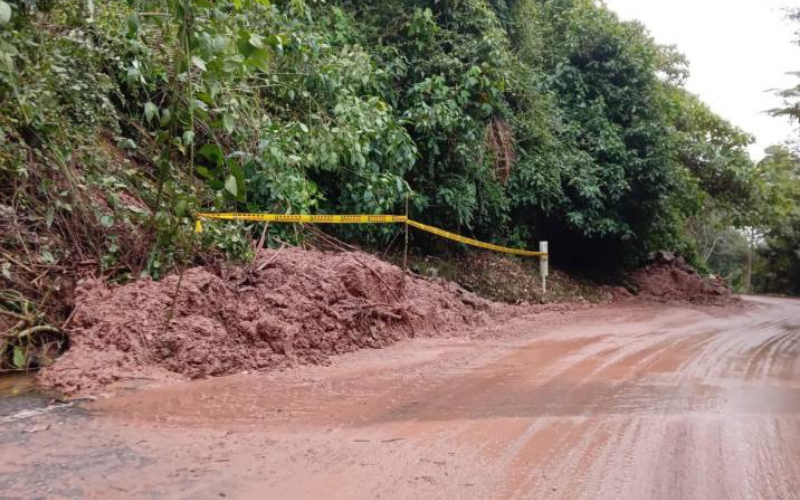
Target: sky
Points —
{"points": [[738, 51]]}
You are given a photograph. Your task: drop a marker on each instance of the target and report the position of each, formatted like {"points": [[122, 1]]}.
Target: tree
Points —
{"points": [[778, 221], [779, 213]]}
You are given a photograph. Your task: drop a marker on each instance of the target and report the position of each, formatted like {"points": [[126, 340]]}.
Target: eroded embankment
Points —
{"points": [[290, 306], [668, 278]]}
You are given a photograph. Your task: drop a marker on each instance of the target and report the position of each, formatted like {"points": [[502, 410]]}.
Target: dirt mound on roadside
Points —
{"points": [[670, 279], [290, 306]]}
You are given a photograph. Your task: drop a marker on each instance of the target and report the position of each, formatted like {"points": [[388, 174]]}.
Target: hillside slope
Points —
{"points": [[506, 121]]}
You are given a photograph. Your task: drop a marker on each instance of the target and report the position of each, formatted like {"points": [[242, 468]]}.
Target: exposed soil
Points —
{"points": [[619, 402], [290, 306], [670, 279]]}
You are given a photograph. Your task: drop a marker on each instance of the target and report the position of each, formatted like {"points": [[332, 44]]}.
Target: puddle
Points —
{"points": [[16, 384], [19, 393]]}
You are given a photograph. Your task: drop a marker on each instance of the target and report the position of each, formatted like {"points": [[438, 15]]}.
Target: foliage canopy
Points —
{"points": [[507, 120]]}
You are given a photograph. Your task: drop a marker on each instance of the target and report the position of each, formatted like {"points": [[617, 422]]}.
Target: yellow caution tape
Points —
{"points": [[315, 219], [361, 219], [470, 241]]}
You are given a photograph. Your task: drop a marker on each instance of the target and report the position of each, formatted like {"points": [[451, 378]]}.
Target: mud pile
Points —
{"points": [[290, 306], [670, 279]]}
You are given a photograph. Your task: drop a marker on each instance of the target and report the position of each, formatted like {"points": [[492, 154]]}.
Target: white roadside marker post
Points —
{"points": [[544, 268]]}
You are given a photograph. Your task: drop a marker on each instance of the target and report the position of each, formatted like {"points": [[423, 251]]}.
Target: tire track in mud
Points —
{"points": [[720, 357], [609, 445], [692, 453], [759, 364]]}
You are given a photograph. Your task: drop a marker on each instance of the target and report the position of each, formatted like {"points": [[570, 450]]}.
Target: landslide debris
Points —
{"points": [[668, 278], [290, 306]]}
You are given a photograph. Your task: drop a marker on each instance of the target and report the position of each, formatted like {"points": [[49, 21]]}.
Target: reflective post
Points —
{"points": [[544, 267]]}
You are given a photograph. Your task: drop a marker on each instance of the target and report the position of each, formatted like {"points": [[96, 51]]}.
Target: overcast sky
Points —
{"points": [[738, 50]]}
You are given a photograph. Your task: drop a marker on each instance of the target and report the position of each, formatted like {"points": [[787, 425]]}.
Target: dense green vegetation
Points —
{"points": [[757, 245], [777, 264], [508, 120], [777, 220]]}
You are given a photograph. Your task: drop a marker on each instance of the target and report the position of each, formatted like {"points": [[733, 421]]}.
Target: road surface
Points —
{"points": [[622, 402]]}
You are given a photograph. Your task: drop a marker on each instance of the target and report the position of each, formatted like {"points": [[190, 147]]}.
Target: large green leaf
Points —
{"points": [[5, 13], [150, 111], [19, 358], [238, 174], [212, 153], [230, 185]]}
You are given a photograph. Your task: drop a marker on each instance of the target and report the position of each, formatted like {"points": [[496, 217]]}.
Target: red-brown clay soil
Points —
{"points": [[669, 278], [631, 401], [289, 307]]}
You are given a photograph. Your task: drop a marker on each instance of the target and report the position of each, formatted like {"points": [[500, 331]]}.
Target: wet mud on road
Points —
{"points": [[619, 402]]}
